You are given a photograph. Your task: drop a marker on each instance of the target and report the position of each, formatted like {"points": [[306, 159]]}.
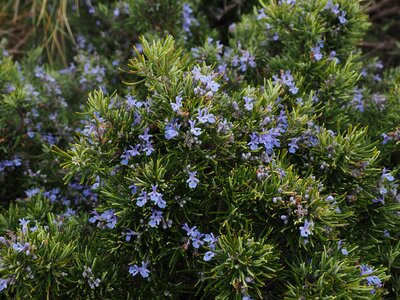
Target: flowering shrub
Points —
{"points": [[247, 170]]}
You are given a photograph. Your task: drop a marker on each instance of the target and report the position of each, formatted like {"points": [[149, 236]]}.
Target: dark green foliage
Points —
{"points": [[243, 266], [262, 168], [329, 274]]}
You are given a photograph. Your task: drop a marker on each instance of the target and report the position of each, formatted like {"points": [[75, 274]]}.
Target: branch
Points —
{"points": [[377, 6], [387, 12], [380, 46]]}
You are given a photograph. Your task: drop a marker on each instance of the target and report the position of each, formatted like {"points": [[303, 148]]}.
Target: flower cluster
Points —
{"points": [[286, 79], [372, 280], [207, 85], [316, 51], [121, 8], [91, 279], [386, 187], [334, 9], [129, 153], [106, 219], [199, 239], [231, 62], [154, 196], [307, 228], [92, 73], [188, 20], [269, 139], [145, 146], [10, 164], [241, 61], [357, 101], [50, 83]]}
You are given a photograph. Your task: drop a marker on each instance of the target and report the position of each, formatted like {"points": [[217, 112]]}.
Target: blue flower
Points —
{"points": [[141, 200], [4, 283], [249, 103], [270, 140], [156, 197], [288, 80], [383, 190], [254, 141], [91, 280], [155, 218], [261, 14], [143, 271], [110, 218], [208, 85], [69, 212], [133, 189], [190, 231], [132, 152], [247, 60], [148, 148], [145, 137], [90, 7], [17, 161], [32, 192], [293, 145], [193, 129], [342, 18], [24, 223], [171, 130], [116, 12], [305, 230], [334, 8], [129, 233], [212, 85], [332, 56], [205, 117], [192, 181], [24, 247], [371, 280], [52, 195], [177, 105], [235, 61], [132, 102], [208, 255], [330, 198], [386, 175], [316, 51], [366, 270], [211, 240], [197, 241], [106, 219]]}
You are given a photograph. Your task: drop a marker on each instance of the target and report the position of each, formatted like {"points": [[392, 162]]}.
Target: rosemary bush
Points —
{"points": [[262, 168]]}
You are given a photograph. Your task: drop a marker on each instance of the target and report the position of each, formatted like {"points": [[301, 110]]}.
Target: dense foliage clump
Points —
{"points": [[263, 167]]}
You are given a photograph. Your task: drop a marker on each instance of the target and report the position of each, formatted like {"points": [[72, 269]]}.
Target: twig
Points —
{"points": [[385, 13], [380, 46]]}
